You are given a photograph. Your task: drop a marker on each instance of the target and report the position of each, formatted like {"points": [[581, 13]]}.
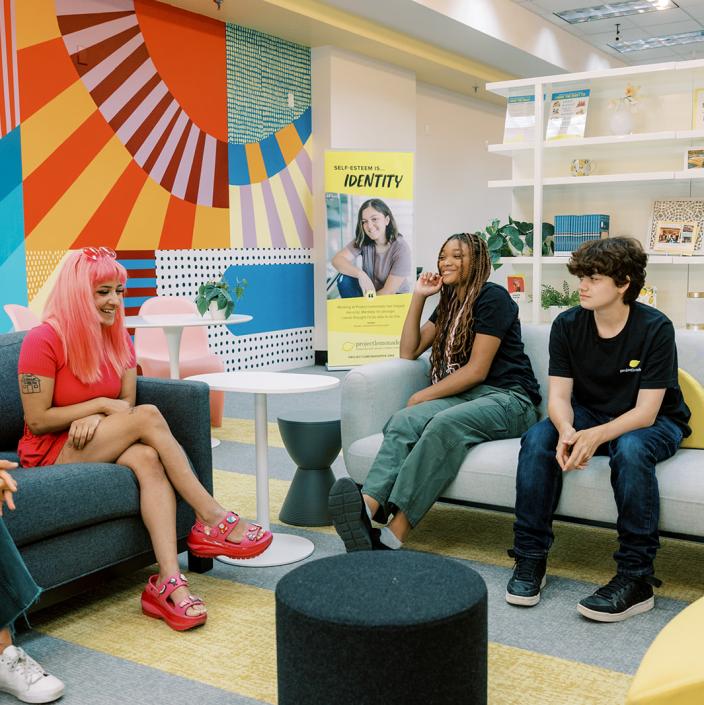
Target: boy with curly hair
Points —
{"points": [[612, 391]]}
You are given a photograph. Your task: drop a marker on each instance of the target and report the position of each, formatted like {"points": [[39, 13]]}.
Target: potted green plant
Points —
{"points": [[556, 301], [514, 238], [219, 298]]}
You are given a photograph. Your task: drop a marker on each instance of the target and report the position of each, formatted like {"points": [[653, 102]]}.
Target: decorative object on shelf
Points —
{"points": [[582, 167], [567, 117], [648, 295], [694, 158], [683, 210], [622, 111], [513, 239], [675, 238], [556, 301], [694, 312], [573, 230], [217, 298], [516, 285], [698, 109]]}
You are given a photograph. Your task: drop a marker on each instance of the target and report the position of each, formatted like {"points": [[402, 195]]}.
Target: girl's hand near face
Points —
{"points": [[428, 283]]}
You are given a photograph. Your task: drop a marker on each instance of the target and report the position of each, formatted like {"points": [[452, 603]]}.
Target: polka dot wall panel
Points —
{"points": [[278, 295]]}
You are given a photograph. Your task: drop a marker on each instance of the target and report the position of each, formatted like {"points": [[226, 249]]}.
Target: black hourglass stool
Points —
{"points": [[313, 442]]}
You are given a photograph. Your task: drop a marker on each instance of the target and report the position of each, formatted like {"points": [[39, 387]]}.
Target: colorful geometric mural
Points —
{"points": [[120, 145], [269, 128]]}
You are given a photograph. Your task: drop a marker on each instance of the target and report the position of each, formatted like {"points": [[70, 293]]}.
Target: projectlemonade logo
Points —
{"points": [[633, 366]]}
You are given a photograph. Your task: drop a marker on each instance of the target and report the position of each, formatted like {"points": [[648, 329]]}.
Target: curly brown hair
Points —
{"points": [[621, 258], [455, 320]]}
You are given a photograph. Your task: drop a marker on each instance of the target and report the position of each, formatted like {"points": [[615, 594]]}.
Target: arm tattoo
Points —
{"points": [[30, 384]]}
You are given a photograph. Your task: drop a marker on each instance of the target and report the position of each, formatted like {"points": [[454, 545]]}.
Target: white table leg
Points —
{"points": [[173, 342], [284, 548]]}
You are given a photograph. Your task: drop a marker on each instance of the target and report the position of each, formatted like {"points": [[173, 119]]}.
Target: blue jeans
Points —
{"points": [[632, 458], [348, 287], [17, 589]]}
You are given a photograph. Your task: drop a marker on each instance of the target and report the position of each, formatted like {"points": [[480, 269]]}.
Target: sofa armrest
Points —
{"points": [[186, 408], [372, 393]]}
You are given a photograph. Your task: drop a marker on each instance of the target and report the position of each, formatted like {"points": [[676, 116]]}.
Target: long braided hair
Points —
{"points": [[455, 320]]}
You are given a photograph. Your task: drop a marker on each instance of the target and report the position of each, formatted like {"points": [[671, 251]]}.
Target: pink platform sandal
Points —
{"points": [[156, 603], [209, 541]]}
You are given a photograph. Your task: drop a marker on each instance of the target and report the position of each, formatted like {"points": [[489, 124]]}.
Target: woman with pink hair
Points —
{"points": [[78, 380]]}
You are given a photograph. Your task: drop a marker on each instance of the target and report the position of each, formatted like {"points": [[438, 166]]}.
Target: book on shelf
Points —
{"points": [[573, 230], [567, 116]]}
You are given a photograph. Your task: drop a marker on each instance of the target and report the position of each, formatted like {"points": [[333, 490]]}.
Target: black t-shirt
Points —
{"points": [[608, 373], [496, 313]]}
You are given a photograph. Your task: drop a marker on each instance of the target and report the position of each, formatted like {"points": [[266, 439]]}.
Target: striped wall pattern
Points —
{"points": [[9, 83], [141, 278]]}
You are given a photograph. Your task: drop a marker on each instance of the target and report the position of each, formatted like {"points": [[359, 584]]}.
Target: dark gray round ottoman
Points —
{"points": [[313, 442], [382, 628]]}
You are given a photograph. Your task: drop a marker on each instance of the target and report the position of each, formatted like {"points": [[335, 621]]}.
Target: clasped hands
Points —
{"points": [[576, 448], [82, 430]]}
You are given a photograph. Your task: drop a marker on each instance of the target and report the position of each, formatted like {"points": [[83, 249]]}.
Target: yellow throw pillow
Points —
{"points": [[693, 393]]}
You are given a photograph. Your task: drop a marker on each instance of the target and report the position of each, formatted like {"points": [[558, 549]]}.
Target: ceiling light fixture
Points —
{"points": [[614, 9], [667, 40]]}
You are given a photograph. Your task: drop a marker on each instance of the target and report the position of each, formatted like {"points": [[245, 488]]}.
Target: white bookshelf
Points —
{"points": [[631, 171]]}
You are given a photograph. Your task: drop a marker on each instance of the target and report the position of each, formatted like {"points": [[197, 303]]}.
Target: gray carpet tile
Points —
{"points": [[94, 678]]}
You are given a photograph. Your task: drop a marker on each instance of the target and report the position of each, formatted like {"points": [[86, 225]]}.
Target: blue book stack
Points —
{"points": [[572, 230]]}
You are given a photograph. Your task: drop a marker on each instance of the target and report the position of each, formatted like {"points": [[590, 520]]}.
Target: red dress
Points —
{"points": [[42, 355]]}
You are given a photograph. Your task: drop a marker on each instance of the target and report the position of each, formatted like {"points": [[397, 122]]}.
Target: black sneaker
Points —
{"points": [[527, 581], [349, 516], [622, 597]]}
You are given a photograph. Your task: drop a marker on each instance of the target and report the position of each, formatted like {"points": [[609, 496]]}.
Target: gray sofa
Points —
{"points": [[78, 524], [372, 393]]}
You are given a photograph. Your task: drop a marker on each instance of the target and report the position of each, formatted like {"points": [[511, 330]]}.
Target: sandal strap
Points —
{"points": [[222, 529], [171, 583], [190, 601]]}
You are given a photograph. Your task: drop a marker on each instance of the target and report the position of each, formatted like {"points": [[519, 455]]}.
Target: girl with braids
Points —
{"points": [[482, 389]]}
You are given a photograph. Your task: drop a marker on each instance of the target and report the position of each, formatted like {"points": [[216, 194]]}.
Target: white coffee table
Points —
{"points": [[173, 324], [285, 548]]}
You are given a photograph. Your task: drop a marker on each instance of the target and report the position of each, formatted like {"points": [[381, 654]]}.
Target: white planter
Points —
{"points": [[555, 311], [216, 313]]}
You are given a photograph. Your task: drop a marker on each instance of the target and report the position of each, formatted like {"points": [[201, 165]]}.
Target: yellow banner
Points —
{"points": [[380, 174], [364, 330]]}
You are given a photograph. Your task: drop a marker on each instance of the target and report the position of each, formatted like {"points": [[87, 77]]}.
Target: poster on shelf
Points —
{"points": [[369, 264], [567, 115], [520, 119], [698, 109], [682, 210], [675, 238], [516, 285]]}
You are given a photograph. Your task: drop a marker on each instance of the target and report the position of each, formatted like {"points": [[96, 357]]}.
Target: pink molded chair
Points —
{"points": [[195, 357], [22, 317]]}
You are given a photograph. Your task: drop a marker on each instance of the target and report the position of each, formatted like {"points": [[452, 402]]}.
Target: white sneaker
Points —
{"points": [[23, 677]]}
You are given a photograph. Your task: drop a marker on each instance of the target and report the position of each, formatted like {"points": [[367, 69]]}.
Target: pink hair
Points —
{"points": [[70, 310]]}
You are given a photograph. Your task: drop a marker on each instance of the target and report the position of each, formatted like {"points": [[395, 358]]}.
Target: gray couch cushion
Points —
{"points": [[11, 417], [59, 498]]}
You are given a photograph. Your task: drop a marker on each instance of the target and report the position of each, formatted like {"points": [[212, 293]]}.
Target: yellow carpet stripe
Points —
{"points": [[241, 636], [242, 431], [580, 552], [58, 228], [48, 128], [143, 228]]}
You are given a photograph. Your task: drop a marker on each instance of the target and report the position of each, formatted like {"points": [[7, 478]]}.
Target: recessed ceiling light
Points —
{"points": [[667, 40], [614, 9]]}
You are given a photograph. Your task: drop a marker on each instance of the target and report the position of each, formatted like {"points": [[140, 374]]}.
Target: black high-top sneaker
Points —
{"points": [[622, 597], [527, 581]]}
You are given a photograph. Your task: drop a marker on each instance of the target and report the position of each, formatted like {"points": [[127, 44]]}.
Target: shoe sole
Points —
{"points": [[37, 698], [639, 608], [345, 505], [525, 601], [231, 550]]}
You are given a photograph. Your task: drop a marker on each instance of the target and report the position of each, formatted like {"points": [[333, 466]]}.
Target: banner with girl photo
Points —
{"points": [[369, 263]]}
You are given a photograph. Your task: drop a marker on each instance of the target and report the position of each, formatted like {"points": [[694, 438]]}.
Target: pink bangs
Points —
{"points": [[70, 310]]}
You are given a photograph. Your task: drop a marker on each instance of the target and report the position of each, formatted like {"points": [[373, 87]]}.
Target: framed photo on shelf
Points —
{"points": [[694, 158], [677, 212], [675, 238], [698, 109]]}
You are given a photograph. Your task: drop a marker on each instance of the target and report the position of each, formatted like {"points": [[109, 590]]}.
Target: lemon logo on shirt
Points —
{"points": [[634, 363]]}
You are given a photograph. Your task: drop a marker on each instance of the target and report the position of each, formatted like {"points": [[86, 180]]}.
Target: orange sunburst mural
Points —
{"points": [[124, 140]]}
